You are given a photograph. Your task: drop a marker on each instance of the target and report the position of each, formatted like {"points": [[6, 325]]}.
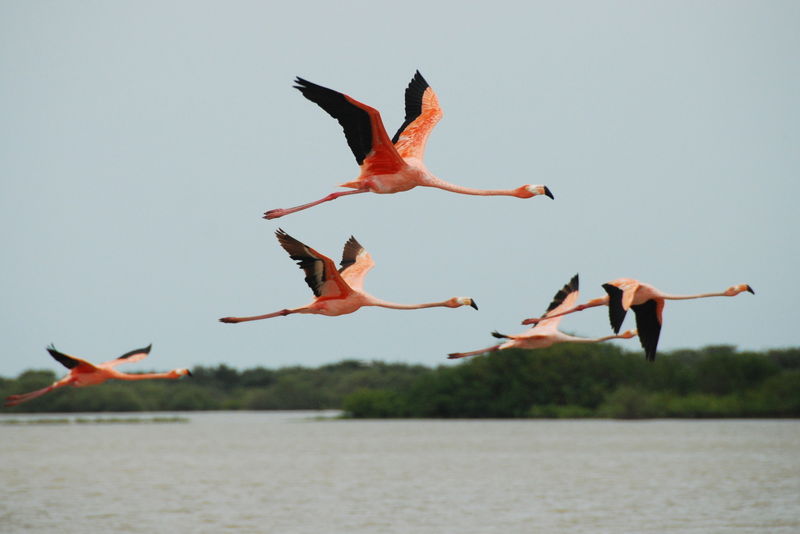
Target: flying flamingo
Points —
{"points": [[339, 292], [390, 166], [83, 373], [647, 303], [546, 332]]}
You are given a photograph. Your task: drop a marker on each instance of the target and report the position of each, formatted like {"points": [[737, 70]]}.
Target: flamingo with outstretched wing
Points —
{"points": [[546, 332], [338, 292], [83, 373], [647, 304], [390, 165]]}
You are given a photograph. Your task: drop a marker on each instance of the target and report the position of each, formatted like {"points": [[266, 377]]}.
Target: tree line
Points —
{"points": [[563, 381]]}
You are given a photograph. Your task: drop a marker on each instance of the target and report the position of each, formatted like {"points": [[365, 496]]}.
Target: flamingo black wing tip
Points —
{"points": [[418, 78], [574, 283]]}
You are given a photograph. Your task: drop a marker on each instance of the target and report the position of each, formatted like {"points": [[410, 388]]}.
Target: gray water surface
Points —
{"points": [[287, 473]]}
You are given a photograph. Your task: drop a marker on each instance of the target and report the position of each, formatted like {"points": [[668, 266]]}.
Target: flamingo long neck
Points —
{"points": [[393, 305], [698, 296], [145, 376], [433, 181], [593, 339]]}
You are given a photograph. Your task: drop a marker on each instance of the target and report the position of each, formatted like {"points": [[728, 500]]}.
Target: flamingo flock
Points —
{"points": [[393, 166], [545, 332]]}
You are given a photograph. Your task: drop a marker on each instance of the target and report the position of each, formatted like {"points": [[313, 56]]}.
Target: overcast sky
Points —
{"points": [[140, 143]]}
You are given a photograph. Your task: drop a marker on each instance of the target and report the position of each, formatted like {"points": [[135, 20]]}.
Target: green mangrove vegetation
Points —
{"points": [[564, 381]]}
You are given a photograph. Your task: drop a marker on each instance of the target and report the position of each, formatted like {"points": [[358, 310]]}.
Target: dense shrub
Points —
{"points": [[568, 380]]}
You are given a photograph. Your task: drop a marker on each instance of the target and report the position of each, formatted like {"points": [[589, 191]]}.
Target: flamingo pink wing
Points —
{"points": [[129, 357], [628, 286], [422, 114], [321, 274], [620, 297], [565, 299], [362, 125], [71, 362], [355, 264]]}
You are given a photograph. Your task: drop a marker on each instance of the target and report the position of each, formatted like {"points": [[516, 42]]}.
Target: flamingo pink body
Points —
{"points": [[546, 332], [83, 373], [396, 165], [339, 292], [646, 301]]}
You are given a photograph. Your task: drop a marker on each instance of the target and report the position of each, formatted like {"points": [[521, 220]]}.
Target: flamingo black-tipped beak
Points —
{"points": [[548, 192], [189, 373], [472, 303], [750, 289]]}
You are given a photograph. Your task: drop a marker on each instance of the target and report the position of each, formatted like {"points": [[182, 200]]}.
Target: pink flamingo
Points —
{"points": [[83, 373], [390, 166], [647, 303], [338, 292], [546, 332]]}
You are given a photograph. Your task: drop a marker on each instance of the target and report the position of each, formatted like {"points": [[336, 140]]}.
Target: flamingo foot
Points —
{"points": [[12, 400], [274, 214]]}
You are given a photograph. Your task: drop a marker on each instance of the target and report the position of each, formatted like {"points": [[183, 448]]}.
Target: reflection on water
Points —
{"points": [[285, 473]]}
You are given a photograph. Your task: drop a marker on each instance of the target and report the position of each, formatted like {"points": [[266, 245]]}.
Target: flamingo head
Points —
{"points": [[457, 302], [528, 191], [177, 373], [735, 290]]}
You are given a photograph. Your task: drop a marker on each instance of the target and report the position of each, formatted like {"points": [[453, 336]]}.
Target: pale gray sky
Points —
{"points": [[140, 142]]}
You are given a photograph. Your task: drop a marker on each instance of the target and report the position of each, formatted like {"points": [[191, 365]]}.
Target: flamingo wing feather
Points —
{"points": [[564, 299], [422, 114], [129, 357], [70, 362], [648, 324], [616, 311], [362, 125], [321, 274], [355, 264], [351, 251]]}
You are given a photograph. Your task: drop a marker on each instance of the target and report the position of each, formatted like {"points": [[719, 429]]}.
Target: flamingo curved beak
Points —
{"points": [[188, 373], [750, 289], [548, 192], [472, 303]]}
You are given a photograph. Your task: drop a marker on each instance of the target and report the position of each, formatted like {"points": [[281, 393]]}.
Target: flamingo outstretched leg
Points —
{"points": [[13, 400], [279, 212], [256, 317], [454, 355]]}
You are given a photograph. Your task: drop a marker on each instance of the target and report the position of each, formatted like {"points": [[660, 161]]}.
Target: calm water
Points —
{"points": [[280, 473]]}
